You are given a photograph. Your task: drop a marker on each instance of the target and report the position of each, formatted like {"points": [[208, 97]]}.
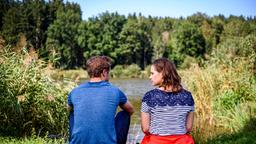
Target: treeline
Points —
{"points": [[57, 32]]}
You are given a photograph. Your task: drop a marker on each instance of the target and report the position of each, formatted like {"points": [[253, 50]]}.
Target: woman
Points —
{"points": [[167, 112]]}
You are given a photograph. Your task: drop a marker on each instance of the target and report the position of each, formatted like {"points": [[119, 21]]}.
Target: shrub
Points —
{"points": [[117, 71], [132, 71], [225, 89], [30, 102]]}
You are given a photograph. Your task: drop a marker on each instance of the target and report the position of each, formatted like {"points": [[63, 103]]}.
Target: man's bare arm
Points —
{"points": [[128, 107], [69, 108]]}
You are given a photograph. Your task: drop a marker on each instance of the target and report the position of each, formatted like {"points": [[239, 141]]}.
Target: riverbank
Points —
{"points": [[123, 72], [33, 100]]}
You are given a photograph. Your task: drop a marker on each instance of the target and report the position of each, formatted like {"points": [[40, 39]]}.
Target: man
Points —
{"points": [[93, 107]]}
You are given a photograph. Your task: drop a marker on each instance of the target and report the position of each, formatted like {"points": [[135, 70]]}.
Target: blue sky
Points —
{"points": [[171, 8]]}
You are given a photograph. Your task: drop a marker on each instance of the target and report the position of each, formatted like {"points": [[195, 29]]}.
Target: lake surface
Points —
{"points": [[134, 88]]}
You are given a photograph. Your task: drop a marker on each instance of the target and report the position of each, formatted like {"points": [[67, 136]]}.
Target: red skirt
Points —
{"points": [[172, 139]]}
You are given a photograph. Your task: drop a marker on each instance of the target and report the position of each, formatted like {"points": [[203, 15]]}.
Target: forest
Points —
{"points": [[56, 31]]}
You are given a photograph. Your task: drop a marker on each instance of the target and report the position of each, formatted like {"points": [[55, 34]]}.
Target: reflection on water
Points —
{"points": [[133, 87]]}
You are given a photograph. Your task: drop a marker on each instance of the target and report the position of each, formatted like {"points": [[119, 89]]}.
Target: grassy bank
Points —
{"points": [[123, 72]]}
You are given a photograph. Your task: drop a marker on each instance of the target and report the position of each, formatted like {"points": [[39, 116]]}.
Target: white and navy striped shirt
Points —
{"points": [[168, 111]]}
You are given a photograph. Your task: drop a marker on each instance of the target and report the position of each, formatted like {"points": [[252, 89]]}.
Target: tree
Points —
{"points": [[14, 23], [135, 42], [218, 23], [198, 18], [236, 27], [30, 18], [36, 13], [62, 38], [5, 5], [102, 34], [186, 40], [160, 37]]}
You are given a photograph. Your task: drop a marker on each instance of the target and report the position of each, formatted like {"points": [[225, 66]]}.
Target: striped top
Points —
{"points": [[168, 111]]}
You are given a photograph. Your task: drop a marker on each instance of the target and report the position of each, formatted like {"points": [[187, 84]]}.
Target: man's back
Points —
{"points": [[95, 105]]}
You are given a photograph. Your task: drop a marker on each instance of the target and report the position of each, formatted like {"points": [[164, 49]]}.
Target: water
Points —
{"points": [[133, 87]]}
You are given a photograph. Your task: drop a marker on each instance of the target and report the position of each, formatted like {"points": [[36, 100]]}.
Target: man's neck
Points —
{"points": [[96, 79]]}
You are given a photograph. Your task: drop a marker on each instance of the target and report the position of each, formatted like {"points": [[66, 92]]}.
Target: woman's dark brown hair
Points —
{"points": [[95, 65], [169, 73]]}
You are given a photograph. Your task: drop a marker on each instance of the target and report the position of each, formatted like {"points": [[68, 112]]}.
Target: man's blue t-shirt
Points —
{"points": [[95, 105]]}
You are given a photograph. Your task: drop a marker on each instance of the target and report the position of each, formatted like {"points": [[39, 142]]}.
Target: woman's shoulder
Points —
{"points": [[158, 97], [185, 92], [185, 97], [150, 94], [153, 91]]}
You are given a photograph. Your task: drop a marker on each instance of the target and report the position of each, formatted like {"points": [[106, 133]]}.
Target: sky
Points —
{"points": [[170, 8]]}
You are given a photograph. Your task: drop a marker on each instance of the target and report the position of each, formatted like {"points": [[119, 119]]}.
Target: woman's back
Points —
{"points": [[168, 111]]}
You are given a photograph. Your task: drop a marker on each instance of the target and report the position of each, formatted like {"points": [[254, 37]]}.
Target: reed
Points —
{"points": [[30, 101], [224, 89]]}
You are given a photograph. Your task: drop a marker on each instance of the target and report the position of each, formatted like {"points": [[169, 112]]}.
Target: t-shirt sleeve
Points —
{"points": [[192, 107], [144, 107], [123, 98]]}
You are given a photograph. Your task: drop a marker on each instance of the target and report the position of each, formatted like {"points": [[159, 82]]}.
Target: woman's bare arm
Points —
{"points": [[145, 122], [189, 121]]}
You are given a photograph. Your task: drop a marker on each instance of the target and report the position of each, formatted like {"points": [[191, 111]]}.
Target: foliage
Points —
{"points": [[198, 18], [244, 136], [160, 36], [224, 90], [131, 71], [236, 27], [61, 37], [75, 75], [13, 24], [30, 102], [117, 71], [101, 36], [55, 29], [186, 40], [30, 18], [237, 57], [30, 140], [135, 41], [224, 87]]}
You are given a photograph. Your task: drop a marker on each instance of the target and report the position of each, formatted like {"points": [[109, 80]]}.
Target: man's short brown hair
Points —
{"points": [[95, 65]]}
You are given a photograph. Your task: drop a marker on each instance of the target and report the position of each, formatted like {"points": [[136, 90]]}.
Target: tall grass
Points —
{"points": [[224, 90], [30, 102]]}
